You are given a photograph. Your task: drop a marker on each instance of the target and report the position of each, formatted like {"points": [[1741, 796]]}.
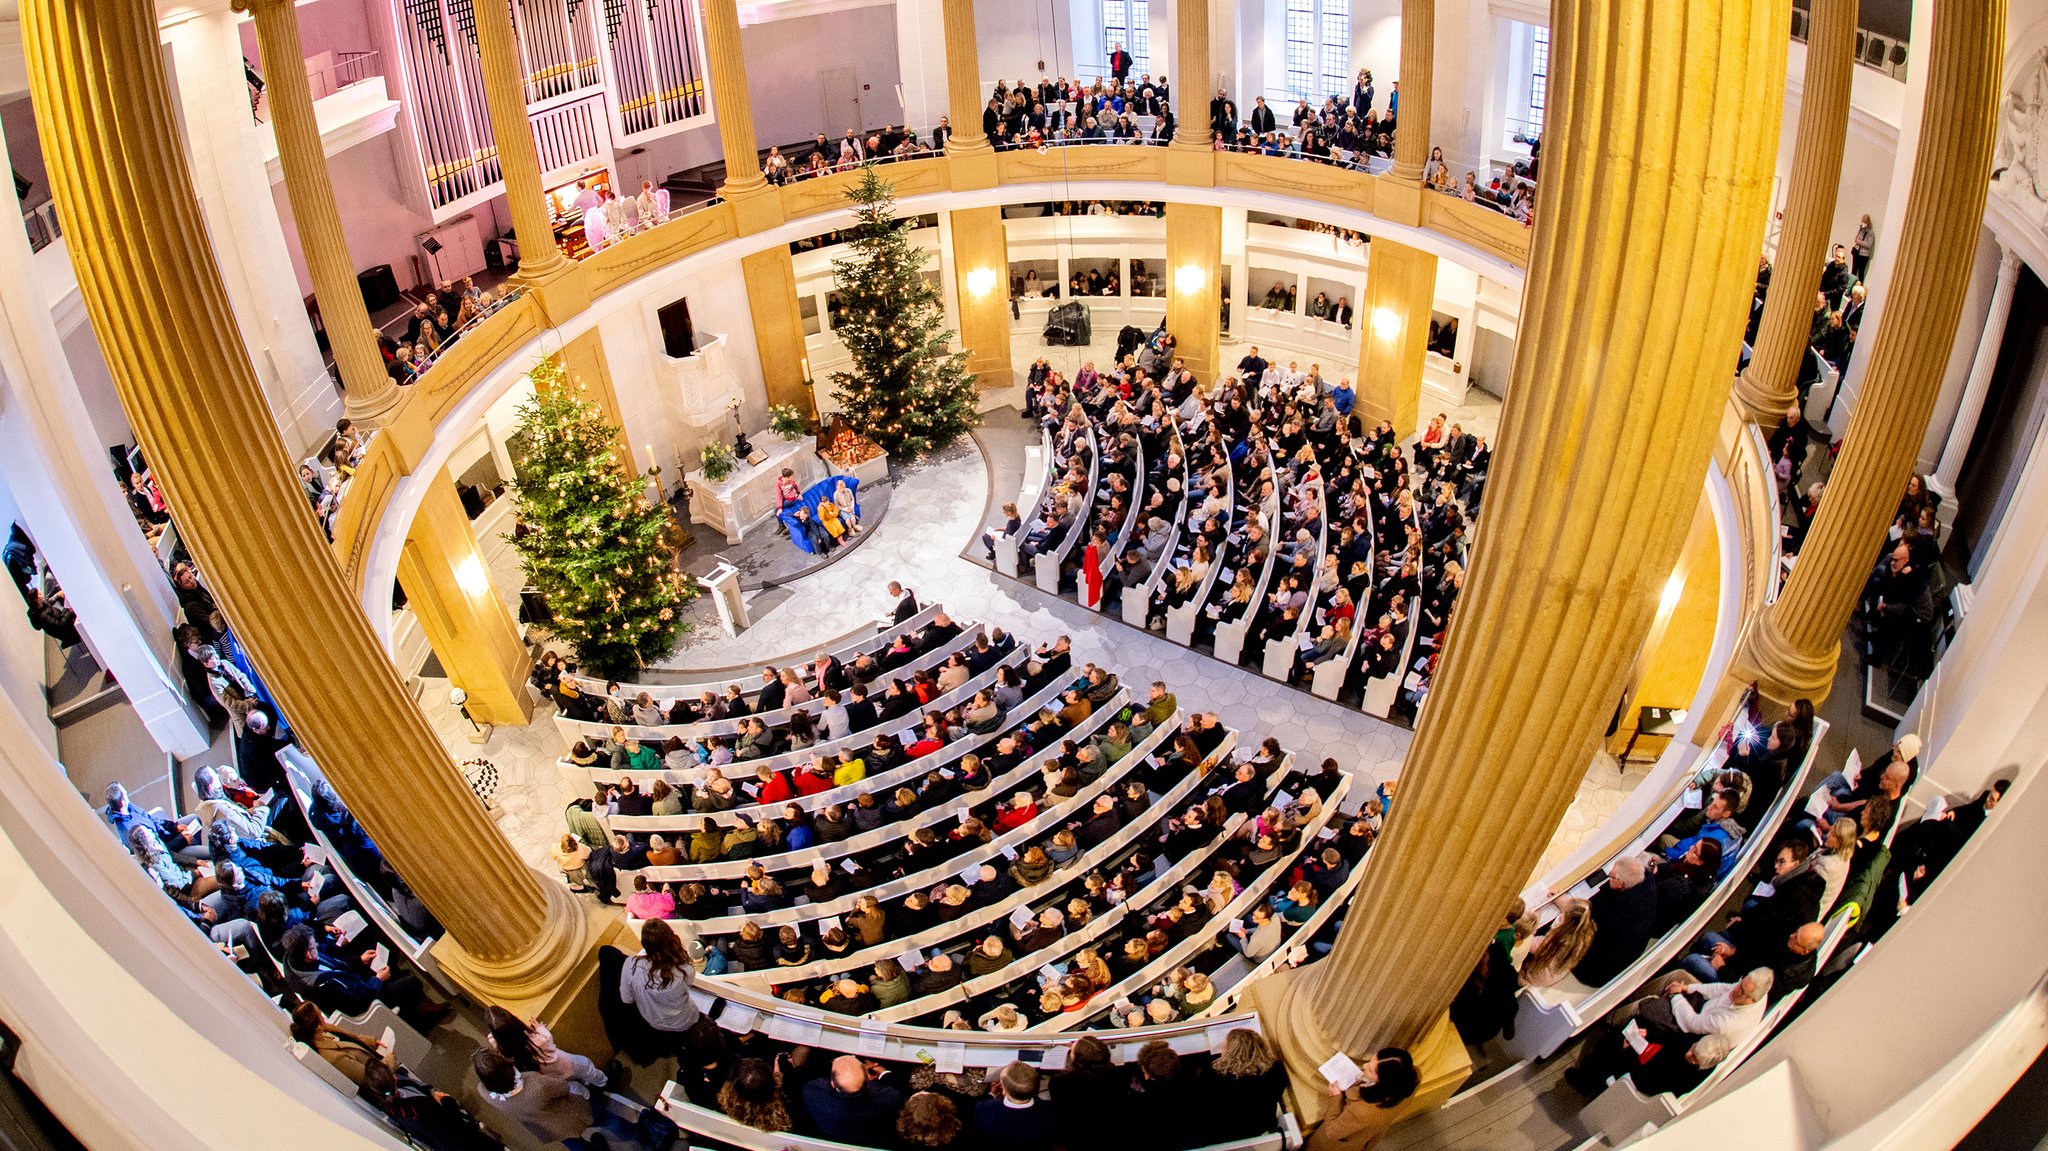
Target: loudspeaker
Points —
{"points": [[380, 287], [678, 335]]}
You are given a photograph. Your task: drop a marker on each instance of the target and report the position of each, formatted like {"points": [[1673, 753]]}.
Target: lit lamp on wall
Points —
{"points": [[1386, 323], [471, 577], [1188, 279], [981, 282]]}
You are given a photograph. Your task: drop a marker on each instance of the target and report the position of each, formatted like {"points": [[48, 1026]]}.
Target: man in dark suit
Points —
{"points": [[941, 134], [1262, 117], [1624, 911], [861, 713], [1119, 63], [772, 692], [1014, 1118], [906, 601]]}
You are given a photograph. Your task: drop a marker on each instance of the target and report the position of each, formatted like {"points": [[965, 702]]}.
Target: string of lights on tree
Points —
{"points": [[599, 553], [908, 391]]}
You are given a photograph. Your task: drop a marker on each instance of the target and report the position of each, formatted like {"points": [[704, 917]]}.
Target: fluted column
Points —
{"points": [[964, 97], [1792, 648], [1393, 333], [981, 281], [468, 625], [1418, 63], [540, 258], [728, 63], [1771, 383], [369, 391], [1956, 448], [1657, 176], [1190, 158], [1194, 269], [150, 286]]}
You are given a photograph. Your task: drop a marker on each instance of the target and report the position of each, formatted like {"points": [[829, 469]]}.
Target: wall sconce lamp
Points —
{"points": [[470, 576], [981, 282], [1189, 278], [1386, 323]]}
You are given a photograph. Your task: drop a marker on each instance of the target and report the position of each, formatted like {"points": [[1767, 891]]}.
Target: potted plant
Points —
{"points": [[785, 421], [716, 460]]}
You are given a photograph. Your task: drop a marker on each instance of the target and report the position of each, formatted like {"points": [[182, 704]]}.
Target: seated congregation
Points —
{"points": [[1263, 523]]}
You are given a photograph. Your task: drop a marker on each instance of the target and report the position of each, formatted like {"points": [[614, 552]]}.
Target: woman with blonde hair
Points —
{"points": [[1560, 948], [1833, 859], [1242, 1088]]}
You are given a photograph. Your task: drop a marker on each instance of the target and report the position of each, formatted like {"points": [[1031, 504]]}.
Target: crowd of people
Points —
{"points": [[1267, 501], [436, 322]]}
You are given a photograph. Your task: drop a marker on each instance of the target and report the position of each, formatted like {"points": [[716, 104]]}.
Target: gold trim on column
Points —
{"points": [[1194, 268], [1669, 109], [1393, 333], [1771, 383], [154, 294], [540, 258], [369, 392], [472, 632], [1792, 649], [778, 327], [981, 279]]}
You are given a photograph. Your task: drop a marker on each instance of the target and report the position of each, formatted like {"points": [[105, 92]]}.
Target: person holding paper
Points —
{"points": [[1358, 1112], [350, 984], [851, 1105], [348, 1052]]}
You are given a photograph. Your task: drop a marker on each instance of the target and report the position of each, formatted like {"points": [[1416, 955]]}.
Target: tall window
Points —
{"points": [[1539, 78], [1318, 49], [1128, 22]]}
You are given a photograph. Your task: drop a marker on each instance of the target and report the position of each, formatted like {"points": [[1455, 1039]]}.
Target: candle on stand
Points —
{"points": [[653, 463]]}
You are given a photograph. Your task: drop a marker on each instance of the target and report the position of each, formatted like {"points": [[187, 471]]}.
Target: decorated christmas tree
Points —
{"points": [[601, 555], [907, 391]]}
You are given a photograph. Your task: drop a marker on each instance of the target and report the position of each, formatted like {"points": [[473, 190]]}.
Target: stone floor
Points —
{"points": [[938, 506]]}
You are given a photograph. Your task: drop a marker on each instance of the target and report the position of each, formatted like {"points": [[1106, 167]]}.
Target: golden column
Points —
{"points": [[1771, 383], [1194, 270], [154, 294], [369, 393], [745, 188], [540, 258], [779, 328], [971, 160], [1792, 648], [467, 624], [1190, 159], [1393, 333], [1657, 180], [1418, 64], [981, 279]]}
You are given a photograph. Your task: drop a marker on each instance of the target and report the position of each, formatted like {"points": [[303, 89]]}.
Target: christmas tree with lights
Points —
{"points": [[908, 390], [600, 554]]}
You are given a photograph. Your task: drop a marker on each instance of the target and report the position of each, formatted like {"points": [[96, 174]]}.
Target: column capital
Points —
{"points": [[2009, 259]]}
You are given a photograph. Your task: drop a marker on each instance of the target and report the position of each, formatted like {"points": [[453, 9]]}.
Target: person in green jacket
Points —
{"points": [[584, 825]]}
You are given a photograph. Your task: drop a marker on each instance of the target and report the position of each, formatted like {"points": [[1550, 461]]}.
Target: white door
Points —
{"points": [[840, 89]]}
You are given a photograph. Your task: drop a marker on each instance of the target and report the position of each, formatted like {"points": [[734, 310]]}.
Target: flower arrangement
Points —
{"points": [[785, 421], [717, 461]]}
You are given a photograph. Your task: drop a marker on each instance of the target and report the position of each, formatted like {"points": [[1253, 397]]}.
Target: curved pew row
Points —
{"points": [[1038, 476], [1048, 563], [1023, 776], [1180, 953], [1046, 824], [594, 776], [1548, 1017], [881, 632], [900, 775], [959, 643], [1167, 877]]}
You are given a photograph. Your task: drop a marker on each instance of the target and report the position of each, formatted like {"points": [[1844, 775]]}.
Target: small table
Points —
{"points": [[743, 500], [1655, 722]]}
